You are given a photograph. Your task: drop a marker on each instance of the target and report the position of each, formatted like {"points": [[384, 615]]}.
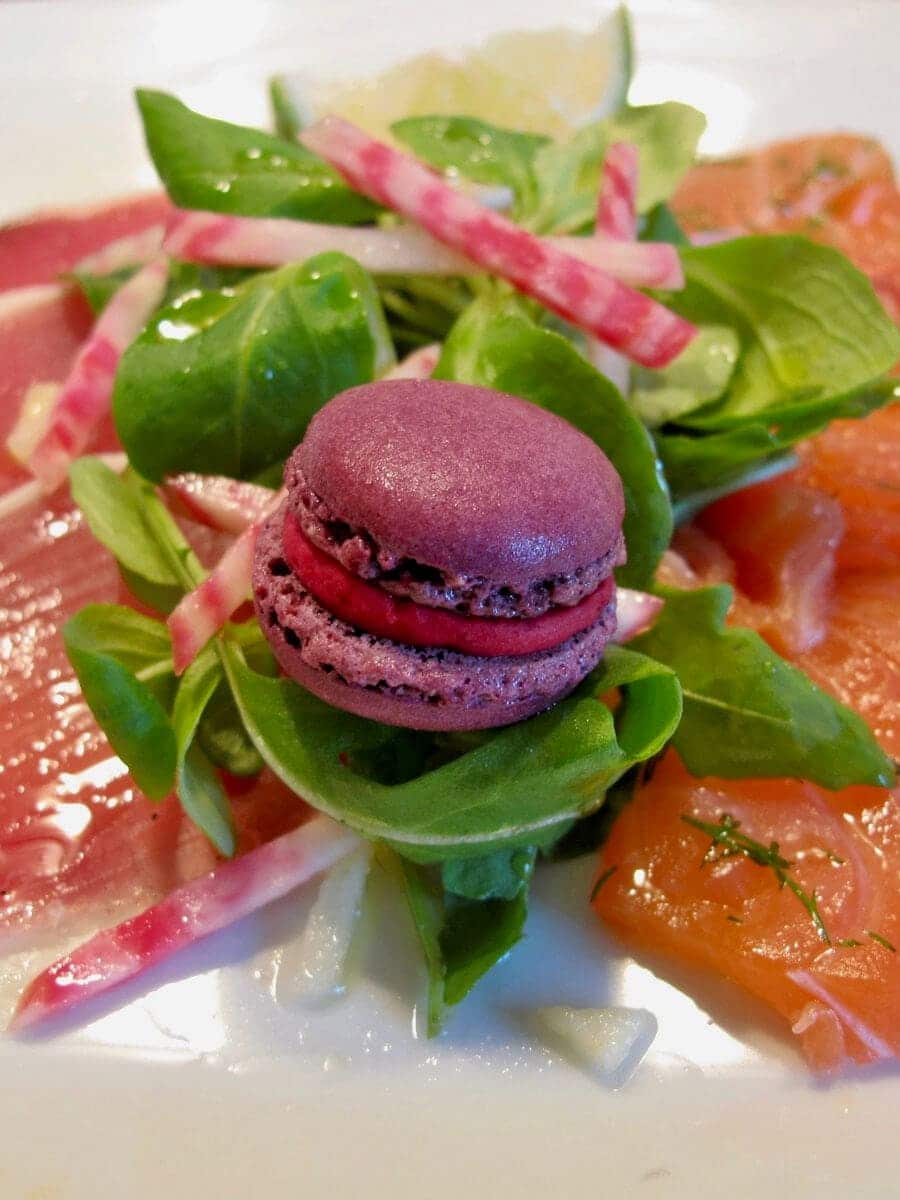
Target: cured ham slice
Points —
{"points": [[41, 248]]}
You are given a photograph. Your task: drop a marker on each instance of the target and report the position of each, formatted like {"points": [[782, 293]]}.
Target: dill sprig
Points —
{"points": [[881, 940], [727, 840]]}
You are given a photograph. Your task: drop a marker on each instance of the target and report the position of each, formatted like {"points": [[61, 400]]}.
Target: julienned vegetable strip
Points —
{"points": [[225, 895], [220, 240], [87, 393], [34, 416], [616, 211], [202, 613], [419, 364], [635, 613], [131, 250], [640, 327], [229, 505]]}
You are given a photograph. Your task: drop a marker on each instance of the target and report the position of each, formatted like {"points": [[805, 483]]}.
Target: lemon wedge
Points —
{"points": [[547, 81]]}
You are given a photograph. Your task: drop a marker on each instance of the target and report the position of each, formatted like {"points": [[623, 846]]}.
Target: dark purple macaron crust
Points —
{"points": [[457, 498], [402, 685]]}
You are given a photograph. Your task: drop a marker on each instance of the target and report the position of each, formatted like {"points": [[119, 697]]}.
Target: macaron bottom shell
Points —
{"points": [[401, 685]]}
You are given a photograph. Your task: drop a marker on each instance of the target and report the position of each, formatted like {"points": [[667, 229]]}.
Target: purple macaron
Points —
{"points": [[453, 500]]}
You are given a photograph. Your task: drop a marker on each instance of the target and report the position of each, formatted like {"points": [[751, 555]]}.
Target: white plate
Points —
{"points": [[201, 1085]]}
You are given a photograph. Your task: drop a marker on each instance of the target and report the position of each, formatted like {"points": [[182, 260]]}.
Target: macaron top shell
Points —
{"points": [[464, 478]]}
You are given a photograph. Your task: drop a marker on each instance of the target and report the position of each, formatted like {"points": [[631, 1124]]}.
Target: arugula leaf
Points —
{"points": [[481, 152], [497, 876], [810, 324], [747, 712], [815, 344], [568, 173], [521, 785], [701, 465], [698, 376], [425, 899], [461, 938], [199, 789], [226, 382], [114, 510], [219, 167], [124, 705], [495, 344]]}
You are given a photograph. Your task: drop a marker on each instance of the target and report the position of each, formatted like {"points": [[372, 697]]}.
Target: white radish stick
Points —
{"points": [[34, 418], [220, 240], [226, 894], [229, 505], [312, 968]]}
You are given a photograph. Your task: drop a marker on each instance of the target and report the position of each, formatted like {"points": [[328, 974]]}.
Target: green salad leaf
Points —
{"points": [[568, 173], [288, 118], [497, 345], [497, 876], [520, 785], [479, 151], [199, 789], [661, 225], [815, 344], [462, 937], [219, 167], [110, 649], [113, 506], [747, 712], [810, 324], [222, 737], [184, 277], [699, 375], [225, 382]]}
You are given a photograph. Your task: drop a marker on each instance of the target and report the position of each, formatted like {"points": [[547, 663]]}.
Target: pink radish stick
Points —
{"points": [[219, 240], [231, 891], [202, 613], [640, 327], [419, 364], [617, 203], [87, 393], [229, 505]]}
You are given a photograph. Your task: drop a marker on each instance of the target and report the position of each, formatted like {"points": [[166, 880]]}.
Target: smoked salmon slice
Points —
{"points": [[803, 561], [731, 916], [838, 189]]}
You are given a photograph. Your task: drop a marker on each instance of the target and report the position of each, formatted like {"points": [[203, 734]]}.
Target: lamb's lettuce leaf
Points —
{"points": [[225, 382], [215, 166], [568, 173], [111, 648], [479, 151]]}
